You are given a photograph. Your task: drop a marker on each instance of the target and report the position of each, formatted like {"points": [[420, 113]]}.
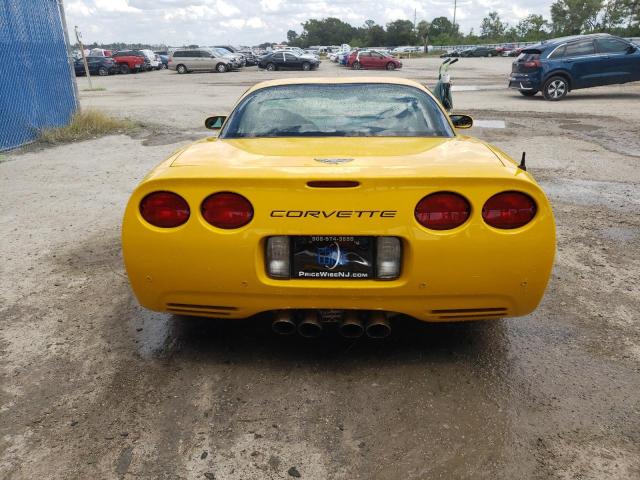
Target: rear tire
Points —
{"points": [[556, 88], [103, 72], [181, 69], [356, 66], [124, 69], [391, 66], [271, 67], [221, 68], [528, 93], [306, 66]]}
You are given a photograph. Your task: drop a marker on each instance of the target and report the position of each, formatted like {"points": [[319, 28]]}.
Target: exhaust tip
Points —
{"points": [[378, 326], [283, 324], [310, 327], [351, 327]]}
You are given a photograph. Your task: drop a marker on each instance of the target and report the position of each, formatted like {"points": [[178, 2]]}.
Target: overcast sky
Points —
{"points": [[250, 22]]}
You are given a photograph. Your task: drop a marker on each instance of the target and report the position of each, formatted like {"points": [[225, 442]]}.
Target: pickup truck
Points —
{"points": [[131, 61]]}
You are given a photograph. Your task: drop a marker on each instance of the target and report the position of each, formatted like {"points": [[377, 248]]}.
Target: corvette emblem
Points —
{"points": [[333, 161]]}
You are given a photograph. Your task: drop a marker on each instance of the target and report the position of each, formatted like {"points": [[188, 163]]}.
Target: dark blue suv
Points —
{"points": [[557, 66]]}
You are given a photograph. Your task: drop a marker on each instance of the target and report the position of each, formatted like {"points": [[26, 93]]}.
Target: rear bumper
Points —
{"points": [[468, 273], [524, 81]]}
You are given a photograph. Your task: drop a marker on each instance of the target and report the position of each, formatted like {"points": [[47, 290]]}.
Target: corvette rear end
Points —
{"points": [[440, 229]]}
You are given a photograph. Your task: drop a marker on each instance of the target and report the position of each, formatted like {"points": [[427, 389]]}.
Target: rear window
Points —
{"points": [[529, 55], [342, 110]]}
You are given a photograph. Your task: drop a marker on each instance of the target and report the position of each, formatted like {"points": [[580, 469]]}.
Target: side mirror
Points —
{"points": [[631, 49], [215, 123], [461, 121]]}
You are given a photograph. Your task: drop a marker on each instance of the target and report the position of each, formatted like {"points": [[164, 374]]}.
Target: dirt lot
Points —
{"points": [[93, 386]]}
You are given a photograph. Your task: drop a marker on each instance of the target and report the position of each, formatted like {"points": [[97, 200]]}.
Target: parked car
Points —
{"points": [[260, 221], [451, 53], [100, 52], [514, 53], [154, 63], [163, 58], [365, 59], [198, 59], [102, 66], [298, 52], [287, 61], [250, 57], [130, 61], [343, 58], [240, 62], [558, 66], [479, 52]]}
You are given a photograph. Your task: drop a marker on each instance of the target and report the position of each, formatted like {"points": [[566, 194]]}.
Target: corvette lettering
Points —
{"points": [[334, 213]]}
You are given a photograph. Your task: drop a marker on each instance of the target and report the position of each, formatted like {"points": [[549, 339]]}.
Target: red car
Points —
{"points": [[130, 61], [372, 59]]}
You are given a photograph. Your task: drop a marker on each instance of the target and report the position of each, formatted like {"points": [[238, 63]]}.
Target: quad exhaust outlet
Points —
{"points": [[311, 324]]}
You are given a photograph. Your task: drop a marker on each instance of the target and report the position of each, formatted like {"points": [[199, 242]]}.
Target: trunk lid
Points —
{"points": [[340, 157]]}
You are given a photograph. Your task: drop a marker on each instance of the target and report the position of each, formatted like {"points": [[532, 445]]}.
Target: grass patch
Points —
{"points": [[85, 125], [94, 89]]}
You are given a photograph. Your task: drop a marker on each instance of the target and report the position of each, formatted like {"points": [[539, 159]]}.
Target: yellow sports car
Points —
{"points": [[344, 200]]}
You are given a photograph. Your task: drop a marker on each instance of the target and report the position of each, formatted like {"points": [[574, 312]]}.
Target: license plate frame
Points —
{"points": [[333, 257]]}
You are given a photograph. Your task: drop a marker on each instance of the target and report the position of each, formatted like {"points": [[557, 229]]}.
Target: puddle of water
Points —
{"points": [[489, 124]]}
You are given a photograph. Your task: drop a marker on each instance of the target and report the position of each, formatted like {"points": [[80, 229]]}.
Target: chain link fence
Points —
{"points": [[37, 86]]}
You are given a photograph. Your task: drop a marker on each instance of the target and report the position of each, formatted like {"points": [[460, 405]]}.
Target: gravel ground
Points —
{"points": [[93, 386]]}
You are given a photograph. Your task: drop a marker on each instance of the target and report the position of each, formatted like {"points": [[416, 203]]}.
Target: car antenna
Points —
{"points": [[523, 165]]}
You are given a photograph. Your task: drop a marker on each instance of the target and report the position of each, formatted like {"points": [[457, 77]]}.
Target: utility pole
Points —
{"points": [[455, 7], [84, 57]]}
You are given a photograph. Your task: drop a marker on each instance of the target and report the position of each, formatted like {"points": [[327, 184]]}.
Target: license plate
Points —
{"points": [[333, 257]]}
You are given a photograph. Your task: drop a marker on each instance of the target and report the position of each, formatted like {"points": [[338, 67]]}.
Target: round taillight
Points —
{"points": [[227, 210], [442, 211], [164, 209], [509, 210]]}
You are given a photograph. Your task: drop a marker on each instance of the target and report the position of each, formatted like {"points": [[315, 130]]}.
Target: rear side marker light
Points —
{"points": [[442, 211], [508, 210], [164, 209], [278, 255], [227, 210]]}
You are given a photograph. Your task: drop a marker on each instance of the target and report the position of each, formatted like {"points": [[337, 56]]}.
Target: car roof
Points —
{"points": [[554, 42]]}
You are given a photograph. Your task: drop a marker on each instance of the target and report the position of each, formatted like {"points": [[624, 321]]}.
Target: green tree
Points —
{"points": [[573, 17], [532, 28], [422, 31], [400, 32], [492, 27], [442, 31], [328, 31], [620, 15], [292, 37], [376, 36]]}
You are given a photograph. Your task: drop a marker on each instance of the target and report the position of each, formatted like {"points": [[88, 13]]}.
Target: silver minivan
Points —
{"points": [[198, 59]]}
